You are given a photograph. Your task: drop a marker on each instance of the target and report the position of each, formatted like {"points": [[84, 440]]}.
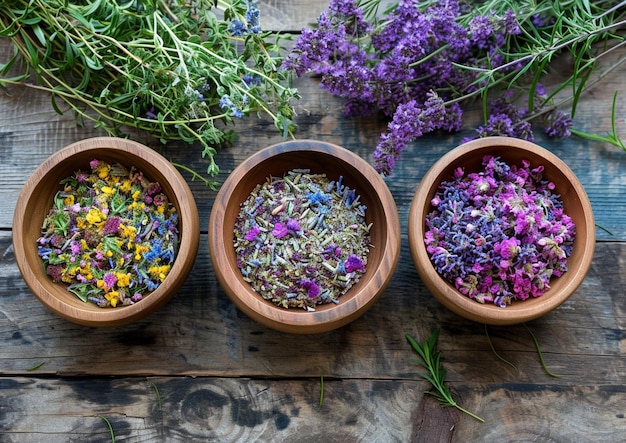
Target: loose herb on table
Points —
{"points": [[422, 63], [430, 359], [500, 234], [537, 347], [178, 70], [111, 235], [109, 426], [302, 240]]}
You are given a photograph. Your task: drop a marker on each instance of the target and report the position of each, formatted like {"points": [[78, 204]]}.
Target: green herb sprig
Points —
{"points": [[179, 70], [430, 359]]}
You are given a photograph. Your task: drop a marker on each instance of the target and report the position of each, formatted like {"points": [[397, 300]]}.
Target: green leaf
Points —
{"points": [[40, 35]]}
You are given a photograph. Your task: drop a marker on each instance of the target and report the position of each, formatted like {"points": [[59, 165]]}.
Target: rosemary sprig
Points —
{"points": [[430, 359], [171, 68]]}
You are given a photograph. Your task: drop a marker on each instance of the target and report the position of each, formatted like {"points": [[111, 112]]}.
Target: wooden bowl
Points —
{"points": [[36, 199], [576, 205], [319, 157]]}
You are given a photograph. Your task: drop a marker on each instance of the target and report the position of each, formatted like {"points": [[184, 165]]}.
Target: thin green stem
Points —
{"points": [[493, 349], [194, 175], [108, 423], [539, 353]]}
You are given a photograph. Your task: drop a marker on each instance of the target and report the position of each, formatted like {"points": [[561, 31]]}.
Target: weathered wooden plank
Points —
{"points": [[200, 332], [256, 410], [249, 383]]}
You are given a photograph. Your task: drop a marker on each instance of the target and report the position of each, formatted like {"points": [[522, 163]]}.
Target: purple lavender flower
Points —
{"points": [[409, 122], [418, 50], [560, 124]]}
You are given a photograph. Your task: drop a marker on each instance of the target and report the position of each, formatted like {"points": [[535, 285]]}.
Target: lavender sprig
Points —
{"points": [[422, 62]]}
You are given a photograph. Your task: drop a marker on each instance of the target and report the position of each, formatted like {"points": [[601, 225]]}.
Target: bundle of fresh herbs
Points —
{"points": [[181, 70], [421, 63]]}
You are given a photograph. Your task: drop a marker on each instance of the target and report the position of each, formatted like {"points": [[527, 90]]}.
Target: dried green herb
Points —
{"points": [[302, 239], [178, 70], [430, 359]]}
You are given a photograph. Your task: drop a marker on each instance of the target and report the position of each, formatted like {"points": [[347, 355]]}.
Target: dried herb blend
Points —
{"points": [[302, 240], [111, 235], [500, 234]]}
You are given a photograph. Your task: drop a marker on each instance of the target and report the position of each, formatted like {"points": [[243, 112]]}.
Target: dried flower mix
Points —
{"points": [[500, 234], [111, 235], [302, 240]]}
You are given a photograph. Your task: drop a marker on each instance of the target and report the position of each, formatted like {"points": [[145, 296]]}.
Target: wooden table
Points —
{"points": [[200, 370]]}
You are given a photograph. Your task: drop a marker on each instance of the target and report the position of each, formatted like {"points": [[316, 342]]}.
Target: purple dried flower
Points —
{"points": [[109, 279], [354, 263], [499, 235], [111, 226], [293, 225], [312, 289], [280, 230], [252, 233], [55, 272]]}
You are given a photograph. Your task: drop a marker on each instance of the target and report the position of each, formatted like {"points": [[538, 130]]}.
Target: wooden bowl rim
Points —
{"points": [[325, 317], [88, 314], [519, 311]]}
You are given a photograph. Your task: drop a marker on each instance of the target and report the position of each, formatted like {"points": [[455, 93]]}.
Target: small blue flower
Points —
{"points": [[237, 28], [251, 80], [318, 197], [154, 253], [227, 104]]}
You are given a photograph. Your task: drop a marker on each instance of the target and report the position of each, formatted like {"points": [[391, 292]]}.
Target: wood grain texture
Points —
{"points": [[166, 409], [223, 377], [201, 333]]}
